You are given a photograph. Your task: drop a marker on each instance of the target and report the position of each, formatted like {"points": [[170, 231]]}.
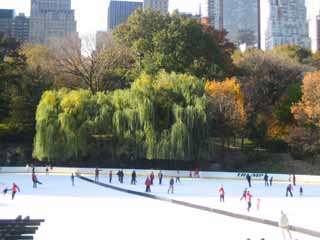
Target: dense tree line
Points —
{"points": [[160, 87]]}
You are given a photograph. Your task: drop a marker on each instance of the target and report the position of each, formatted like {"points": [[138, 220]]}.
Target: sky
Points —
{"points": [[91, 15]]}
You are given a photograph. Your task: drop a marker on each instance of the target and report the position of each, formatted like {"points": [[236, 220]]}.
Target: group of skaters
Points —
{"points": [[15, 188]]}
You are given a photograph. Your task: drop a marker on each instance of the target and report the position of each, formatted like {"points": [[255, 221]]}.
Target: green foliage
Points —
{"points": [[173, 43], [64, 120], [160, 117]]}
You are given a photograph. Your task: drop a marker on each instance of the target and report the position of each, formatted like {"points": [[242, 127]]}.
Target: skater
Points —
{"points": [[244, 194], [171, 185], [160, 176], [196, 173], [119, 175], [14, 189], [294, 179], [35, 180], [96, 174], [110, 176], [133, 177], [148, 184], [289, 190], [301, 191], [248, 177], [248, 198], [190, 174], [152, 177], [271, 180], [221, 193], [258, 204], [5, 191], [178, 177], [284, 225], [47, 171], [266, 180], [72, 179]]}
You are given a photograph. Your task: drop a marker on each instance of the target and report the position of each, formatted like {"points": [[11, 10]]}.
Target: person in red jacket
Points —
{"points": [[151, 177], [35, 180], [248, 198], [221, 193], [289, 190], [148, 184], [14, 189], [110, 176]]}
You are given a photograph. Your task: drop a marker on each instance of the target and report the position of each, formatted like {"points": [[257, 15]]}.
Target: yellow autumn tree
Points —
{"points": [[226, 107], [308, 109]]}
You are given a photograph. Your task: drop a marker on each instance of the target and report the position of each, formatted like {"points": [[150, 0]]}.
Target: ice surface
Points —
{"points": [[88, 211]]}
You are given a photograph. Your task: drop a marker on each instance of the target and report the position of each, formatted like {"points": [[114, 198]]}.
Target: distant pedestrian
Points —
{"points": [[271, 180], [244, 194], [152, 177], [248, 198], [72, 179], [196, 173], [284, 225], [5, 191], [14, 190], [301, 191], [289, 190], [221, 193], [171, 185], [160, 176], [294, 179], [266, 180], [96, 174], [258, 203], [148, 184], [133, 177], [178, 177], [110, 176], [35, 180], [248, 177], [119, 175]]}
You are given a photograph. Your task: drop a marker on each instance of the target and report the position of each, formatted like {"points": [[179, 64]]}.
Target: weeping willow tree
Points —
{"points": [[159, 117], [63, 122], [165, 116]]}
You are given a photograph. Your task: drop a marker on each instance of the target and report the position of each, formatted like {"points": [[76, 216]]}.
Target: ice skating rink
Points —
{"points": [[88, 211]]}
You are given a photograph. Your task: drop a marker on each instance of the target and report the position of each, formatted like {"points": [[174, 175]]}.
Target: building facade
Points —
{"points": [[50, 19], [157, 5], [119, 11], [285, 22], [20, 28], [6, 20], [313, 12], [240, 18]]}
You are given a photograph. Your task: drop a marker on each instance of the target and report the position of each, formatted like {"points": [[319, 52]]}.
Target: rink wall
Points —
{"points": [[167, 173]]}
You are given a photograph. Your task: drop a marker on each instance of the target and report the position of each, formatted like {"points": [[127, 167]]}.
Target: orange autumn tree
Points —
{"points": [[226, 108], [307, 111], [304, 139]]}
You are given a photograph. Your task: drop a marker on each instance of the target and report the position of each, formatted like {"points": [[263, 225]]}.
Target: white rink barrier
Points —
{"points": [[167, 173]]}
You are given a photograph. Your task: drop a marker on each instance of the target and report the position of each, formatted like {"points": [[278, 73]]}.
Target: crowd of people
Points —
{"points": [[246, 196]]}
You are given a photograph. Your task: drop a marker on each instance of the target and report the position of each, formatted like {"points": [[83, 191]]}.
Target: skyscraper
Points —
{"points": [[20, 28], [119, 11], [284, 22], [238, 17], [6, 20], [51, 19], [313, 12], [157, 5]]}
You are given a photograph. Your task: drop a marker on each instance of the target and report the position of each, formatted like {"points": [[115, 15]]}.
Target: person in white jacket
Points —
{"points": [[284, 225]]}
